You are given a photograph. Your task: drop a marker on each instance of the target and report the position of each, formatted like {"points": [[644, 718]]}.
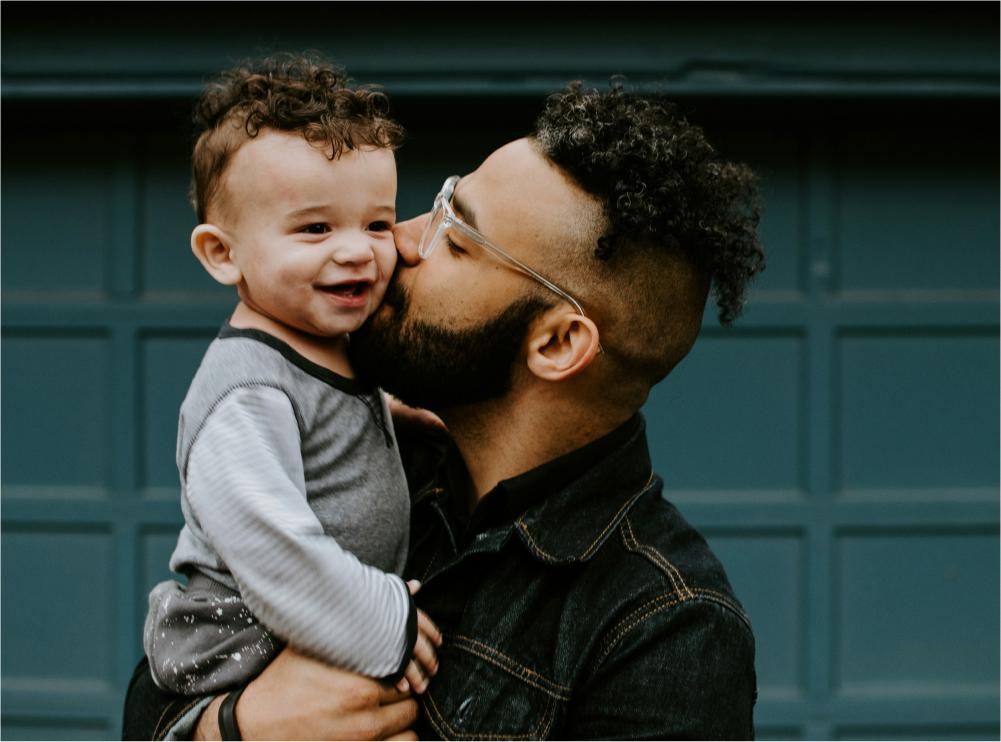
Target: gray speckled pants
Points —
{"points": [[201, 638]]}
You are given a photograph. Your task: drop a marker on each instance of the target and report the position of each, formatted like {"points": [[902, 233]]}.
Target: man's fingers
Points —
{"points": [[391, 694], [413, 586], [409, 734], [427, 627], [395, 718]]}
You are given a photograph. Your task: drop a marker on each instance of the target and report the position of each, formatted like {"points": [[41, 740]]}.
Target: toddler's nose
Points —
{"points": [[352, 250]]}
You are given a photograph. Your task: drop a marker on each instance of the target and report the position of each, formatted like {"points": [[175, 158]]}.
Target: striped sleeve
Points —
{"points": [[246, 488]]}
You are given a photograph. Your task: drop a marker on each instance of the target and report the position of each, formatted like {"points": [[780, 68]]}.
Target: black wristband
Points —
{"points": [[228, 728], [411, 642]]}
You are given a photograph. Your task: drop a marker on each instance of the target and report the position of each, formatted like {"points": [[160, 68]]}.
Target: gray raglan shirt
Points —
{"points": [[294, 496]]}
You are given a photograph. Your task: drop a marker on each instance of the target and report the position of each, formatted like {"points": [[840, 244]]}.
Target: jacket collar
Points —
{"points": [[562, 510], [571, 523]]}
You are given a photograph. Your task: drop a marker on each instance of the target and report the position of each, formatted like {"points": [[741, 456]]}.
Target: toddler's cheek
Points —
{"points": [[391, 255], [386, 257], [379, 293]]}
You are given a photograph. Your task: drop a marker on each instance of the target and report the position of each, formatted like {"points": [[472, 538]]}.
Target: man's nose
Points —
{"points": [[408, 238]]}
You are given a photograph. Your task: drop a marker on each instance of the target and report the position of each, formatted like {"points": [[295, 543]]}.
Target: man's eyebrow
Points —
{"points": [[464, 210]]}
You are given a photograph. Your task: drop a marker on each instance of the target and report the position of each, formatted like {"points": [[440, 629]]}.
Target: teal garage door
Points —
{"points": [[839, 446]]}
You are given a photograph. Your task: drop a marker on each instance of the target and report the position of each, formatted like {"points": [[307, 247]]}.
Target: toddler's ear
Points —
{"points": [[212, 248]]}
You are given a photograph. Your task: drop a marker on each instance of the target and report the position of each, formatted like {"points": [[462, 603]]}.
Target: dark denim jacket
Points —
{"points": [[597, 612]]}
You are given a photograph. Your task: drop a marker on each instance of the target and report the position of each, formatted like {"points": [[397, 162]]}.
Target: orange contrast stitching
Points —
{"points": [[546, 722], [622, 630], [535, 547], [631, 545], [523, 527], [657, 558], [522, 670], [611, 523], [431, 713], [463, 735]]}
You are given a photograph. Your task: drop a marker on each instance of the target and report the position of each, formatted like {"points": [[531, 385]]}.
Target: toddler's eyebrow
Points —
{"points": [[309, 210], [322, 209]]}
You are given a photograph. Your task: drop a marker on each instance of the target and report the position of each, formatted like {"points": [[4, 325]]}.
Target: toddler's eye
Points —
{"points": [[318, 228], [379, 226]]}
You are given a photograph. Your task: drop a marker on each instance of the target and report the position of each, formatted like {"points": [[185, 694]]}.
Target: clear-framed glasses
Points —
{"points": [[444, 218]]}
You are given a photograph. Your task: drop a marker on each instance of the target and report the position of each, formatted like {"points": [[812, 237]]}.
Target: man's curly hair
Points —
{"points": [[291, 93], [660, 182]]}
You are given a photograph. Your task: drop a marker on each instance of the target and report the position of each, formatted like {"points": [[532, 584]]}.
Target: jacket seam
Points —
{"points": [[611, 523], [432, 712], [539, 551], [446, 729], [633, 545], [658, 559], [723, 601], [459, 640], [650, 609], [632, 620], [536, 549], [551, 716]]}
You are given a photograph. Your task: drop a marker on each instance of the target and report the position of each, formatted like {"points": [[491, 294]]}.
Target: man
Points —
{"points": [[533, 309]]}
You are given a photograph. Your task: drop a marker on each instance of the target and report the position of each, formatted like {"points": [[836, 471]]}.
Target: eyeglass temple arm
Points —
{"points": [[480, 240], [446, 197]]}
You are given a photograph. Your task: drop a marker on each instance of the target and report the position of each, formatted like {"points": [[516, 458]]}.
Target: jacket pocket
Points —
{"points": [[482, 693]]}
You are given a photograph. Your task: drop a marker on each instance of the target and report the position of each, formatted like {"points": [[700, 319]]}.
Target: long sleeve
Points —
{"points": [[245, 487]]}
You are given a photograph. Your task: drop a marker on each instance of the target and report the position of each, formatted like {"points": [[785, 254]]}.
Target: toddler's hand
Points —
{"points": [[424, 664], [405, 416]]}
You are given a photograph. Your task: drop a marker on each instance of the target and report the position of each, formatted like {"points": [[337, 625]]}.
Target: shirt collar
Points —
{"points": [[564, 508]]}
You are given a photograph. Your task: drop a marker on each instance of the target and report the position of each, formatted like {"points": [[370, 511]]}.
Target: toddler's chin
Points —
{"points": [[376, 305]]}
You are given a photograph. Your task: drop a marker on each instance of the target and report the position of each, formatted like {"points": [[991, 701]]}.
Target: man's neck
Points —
{"points": [[503, 438]]}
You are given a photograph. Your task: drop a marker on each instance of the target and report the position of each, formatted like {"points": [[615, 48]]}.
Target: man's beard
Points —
{"points": [[431, 366]]}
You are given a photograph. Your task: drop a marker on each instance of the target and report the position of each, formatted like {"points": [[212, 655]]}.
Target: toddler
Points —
{"points": [[295, 503]]}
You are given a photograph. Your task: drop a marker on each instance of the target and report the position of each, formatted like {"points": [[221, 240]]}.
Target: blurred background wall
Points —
{"points": [[839, 446]]}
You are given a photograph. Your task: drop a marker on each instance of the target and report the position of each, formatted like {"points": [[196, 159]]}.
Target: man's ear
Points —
{"points": [[562, 345], [214, 251]]}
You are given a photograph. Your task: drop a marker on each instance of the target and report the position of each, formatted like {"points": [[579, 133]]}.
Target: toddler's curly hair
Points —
{"points": [[286, 92]]}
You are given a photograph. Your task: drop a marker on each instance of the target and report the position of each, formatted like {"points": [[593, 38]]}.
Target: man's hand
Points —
{"points": [[424, 663], [297, 697]]}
